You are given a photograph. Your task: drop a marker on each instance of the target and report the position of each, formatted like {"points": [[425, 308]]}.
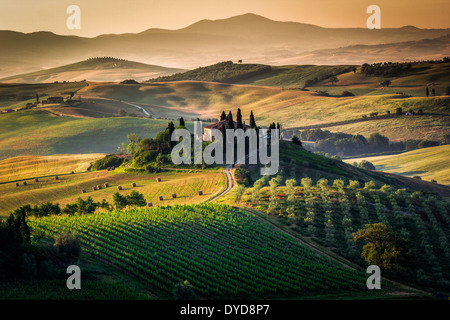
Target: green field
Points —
{"points": [[37, 132], [185, 184], [292, 108], [428, 163], [240, 256], [28, 167], [293, 76], [328, 213]]}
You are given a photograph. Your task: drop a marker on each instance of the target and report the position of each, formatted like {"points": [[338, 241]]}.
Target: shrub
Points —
{"points": [[184, 291], [110, 160], [347, 94], [366, 165], [243, 177], [296, 140], [68, 244]]}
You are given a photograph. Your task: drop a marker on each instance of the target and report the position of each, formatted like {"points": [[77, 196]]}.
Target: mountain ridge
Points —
{"points": [[247, 37]]}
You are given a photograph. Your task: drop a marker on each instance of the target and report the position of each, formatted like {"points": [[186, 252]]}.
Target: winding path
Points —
{"points": [[230, 183], [139, 107]]}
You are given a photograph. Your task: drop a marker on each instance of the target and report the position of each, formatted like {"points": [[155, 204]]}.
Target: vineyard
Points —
{"points": [[223, 252], [329, 213], [56, 289]]}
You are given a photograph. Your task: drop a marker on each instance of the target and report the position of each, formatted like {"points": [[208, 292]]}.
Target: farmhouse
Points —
{"points": [[7, 110], [207, 136], [53, 100]]}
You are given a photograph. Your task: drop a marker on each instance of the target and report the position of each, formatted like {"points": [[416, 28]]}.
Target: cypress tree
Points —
{"points": [[182, 122], [252, 120], [230, 123], [239, 124], [223, 116]]}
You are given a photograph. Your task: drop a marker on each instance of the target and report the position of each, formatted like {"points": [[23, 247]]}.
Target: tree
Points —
{"points": [[136, 199], [239, 192], [182, 124], [230, 122], [133, 140], [428, 92], [333, 79], [239, 124], [385, 83], [119, 201], [252, 120], [69, 245], [383, 248], [378, 143], [296, 140], [223, 116], [184, 291]]}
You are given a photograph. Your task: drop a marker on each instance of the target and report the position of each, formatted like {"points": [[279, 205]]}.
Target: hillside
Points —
{"points": [[227, 72], [428, 163], [240, 256], [14, 96], [292, 108], [249, 37], [28, 167], [295, 76], [94, 69], [37, 132], [67, 188]]}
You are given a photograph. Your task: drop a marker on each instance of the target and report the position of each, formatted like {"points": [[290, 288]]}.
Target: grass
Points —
{"points": [[185, 183], [95, 69], [223, 252], [13, 96], [428, 163], [317, 213], [293, 76], [37, 132], [28, 167], [292, 108]]}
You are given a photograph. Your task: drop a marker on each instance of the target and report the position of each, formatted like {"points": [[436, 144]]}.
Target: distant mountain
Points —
{"points": [[95, 69], [252, 38], [425, 49]]}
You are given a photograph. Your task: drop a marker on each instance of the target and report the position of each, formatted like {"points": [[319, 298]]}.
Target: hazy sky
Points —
{"points": [[120, 16]]}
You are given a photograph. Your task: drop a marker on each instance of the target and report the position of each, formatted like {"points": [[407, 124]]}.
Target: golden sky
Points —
{"points": [[121, 16]]}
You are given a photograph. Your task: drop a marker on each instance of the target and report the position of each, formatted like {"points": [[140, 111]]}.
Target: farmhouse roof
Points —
{"points": [[219, 124]]}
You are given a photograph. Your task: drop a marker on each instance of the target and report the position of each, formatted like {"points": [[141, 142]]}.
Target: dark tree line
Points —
{"points": [[385, 69], [227, 72], [344, 144]]}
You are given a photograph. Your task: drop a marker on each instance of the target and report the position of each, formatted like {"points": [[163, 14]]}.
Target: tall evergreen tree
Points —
{"points": [[239, 124], [182, 122], [223, 116], [230, 123], [252, 120]]}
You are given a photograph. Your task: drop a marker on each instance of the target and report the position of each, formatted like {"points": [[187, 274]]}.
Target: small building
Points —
{"points": [[55, 100], [207, 136], [7, 110]]}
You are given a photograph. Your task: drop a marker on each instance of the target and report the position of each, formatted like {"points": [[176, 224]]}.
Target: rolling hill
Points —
{"points": [[37, 132], [250, 37], [292, 108], [428, 163], [95, 69]]}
